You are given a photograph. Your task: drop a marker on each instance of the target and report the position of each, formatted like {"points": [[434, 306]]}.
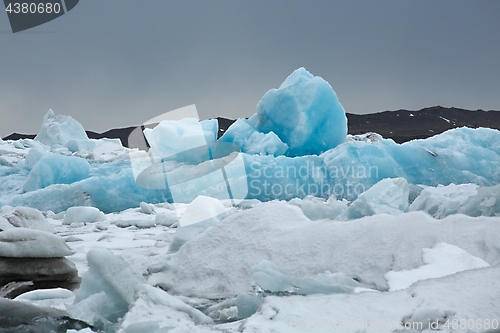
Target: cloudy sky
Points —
{"points": [[111, 63]]}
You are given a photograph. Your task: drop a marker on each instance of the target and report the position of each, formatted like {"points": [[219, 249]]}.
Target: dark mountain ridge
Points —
{"points": [[399, 125]]}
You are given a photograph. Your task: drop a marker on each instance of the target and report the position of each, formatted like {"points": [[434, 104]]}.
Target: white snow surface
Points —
{"points": [[217, 262], [216, 265], [461, 296], [441, 260]]}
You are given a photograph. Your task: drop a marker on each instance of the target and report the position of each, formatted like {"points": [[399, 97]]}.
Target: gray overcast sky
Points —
{"points": [[111, 63]]}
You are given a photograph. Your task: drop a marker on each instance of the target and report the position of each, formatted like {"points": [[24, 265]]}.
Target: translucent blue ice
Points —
{"points": [[305, 113], [55, 169], [252, 141], [458, 156]]}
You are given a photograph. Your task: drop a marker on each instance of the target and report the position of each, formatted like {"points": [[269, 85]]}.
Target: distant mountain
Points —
{"points": [[405, 125], [400, 125]]}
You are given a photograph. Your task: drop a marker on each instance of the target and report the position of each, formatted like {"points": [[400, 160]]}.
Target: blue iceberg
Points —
{"points": [[295, 146], [305, 113]]}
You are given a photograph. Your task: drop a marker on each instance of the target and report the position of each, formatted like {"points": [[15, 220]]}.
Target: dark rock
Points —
{"points": [[19, 275]]}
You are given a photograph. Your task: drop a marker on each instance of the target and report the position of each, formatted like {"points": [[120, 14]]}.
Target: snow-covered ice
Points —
{"points": [[83, 214], [32, 243], [441, 260], [280, 233], [285, 224], [63, 131], [26, 217]]}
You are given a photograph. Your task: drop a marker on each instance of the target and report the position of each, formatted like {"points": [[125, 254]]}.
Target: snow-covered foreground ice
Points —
{"points": [[210, 282], [285, 224]]}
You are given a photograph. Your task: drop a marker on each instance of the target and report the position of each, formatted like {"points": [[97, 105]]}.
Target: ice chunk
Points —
{"points": [[171, 137], [17, 317], [83, 214], [4, 224], [202, 208], [305, 113], [26, 217], [457, 156], [279, 232], [34, 156], [107, 290], [30, 243], [63, 131], [485, 203], [166, 219], [369, 137], [46, 294], [56, 169], [147, 208], [200, 215], [157, 311], [441, 260], [316, 208], [388, 196], [272, 278], [353, 167], [251, 141], [247, 305], [210, 129], [442, 201]]}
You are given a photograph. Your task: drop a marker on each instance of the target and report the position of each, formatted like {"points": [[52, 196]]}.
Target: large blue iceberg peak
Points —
{"points": [[305, 113]]}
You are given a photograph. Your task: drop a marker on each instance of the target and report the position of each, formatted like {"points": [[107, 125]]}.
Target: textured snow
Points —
{"points": [[461, 296], [26, 217], [31, 243], [4, 224], [441, 260], [280, 233]]}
